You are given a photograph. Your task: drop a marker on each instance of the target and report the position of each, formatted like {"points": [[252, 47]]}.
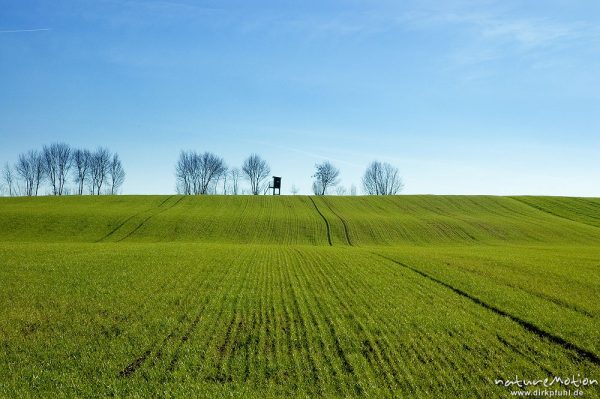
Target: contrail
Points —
{"points": [[25, 30]]}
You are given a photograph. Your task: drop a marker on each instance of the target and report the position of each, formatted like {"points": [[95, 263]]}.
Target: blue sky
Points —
{"points": [[464, 97]]}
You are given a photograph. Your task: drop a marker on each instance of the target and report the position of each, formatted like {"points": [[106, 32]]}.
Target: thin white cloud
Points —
{"points": [[348, 24], [310, 154], [181, 8], [493, 34], [527, 32], [25, 30]]}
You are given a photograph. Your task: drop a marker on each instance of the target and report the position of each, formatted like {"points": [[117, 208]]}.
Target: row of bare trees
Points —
{"points": [[205, 173], [94, 172], [380, 178], [101, 172]]}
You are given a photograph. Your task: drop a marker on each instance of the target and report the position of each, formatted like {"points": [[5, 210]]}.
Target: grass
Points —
{"points": [[418, 296]]}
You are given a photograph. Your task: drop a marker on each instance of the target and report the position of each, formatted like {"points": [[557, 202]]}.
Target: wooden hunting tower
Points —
{"points": [[276, 185]]}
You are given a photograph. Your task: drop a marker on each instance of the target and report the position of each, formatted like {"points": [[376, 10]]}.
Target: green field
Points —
{"points": [[220, 296]]}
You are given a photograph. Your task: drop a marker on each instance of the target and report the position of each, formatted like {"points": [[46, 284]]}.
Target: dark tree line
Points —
{"points": [[97, 172]]}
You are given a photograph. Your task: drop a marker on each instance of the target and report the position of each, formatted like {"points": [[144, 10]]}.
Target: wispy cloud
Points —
{"points": [[26, 30], [343, 25], [492, 23], [171, 7], [494, 34], [311, 154], [528, 33]]}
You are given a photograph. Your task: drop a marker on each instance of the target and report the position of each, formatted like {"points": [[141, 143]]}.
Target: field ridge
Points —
{"points": [[300, 220]]}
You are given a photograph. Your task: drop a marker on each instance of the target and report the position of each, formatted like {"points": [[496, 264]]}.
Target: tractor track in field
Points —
{"points": [[549, 212], [324, 219], [314, 314], [371, 348], [154, 348], [150, 217], [184, 338], [138, 362], [540, 295], [569, 346], [133, 366], [113, 231], [157, 348], [302, 329], [592, 204], [346, 230], [192, 327], [513, 348]]}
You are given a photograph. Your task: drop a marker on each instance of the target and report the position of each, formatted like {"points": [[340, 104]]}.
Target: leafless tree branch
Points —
{"points": [[256, 170], [326, 176], [382, 179]]}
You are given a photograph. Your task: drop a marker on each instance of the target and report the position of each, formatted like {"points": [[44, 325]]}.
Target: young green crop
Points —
{"points": [[288, 220], [295, 296]]}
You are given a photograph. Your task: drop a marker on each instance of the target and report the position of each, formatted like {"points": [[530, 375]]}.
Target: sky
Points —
{"points": [[464, 97]]}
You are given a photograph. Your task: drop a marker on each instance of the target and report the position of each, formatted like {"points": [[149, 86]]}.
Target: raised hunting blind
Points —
{"points": [[276, 185]]}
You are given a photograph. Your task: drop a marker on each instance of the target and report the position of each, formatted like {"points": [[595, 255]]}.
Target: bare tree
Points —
{"points": [[225, 177], [219, 183], [24, 171], [340, 190], [198, 173], [209, 168], [317, 188], [82, 163], [183, 172], [326, 176], [256, 170], [381, 178], [30, 170], [294, 190], [353, 190], [38, 171], [99, 169], [116, 174], [234, 177], [9, 178], [57, 162]]}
